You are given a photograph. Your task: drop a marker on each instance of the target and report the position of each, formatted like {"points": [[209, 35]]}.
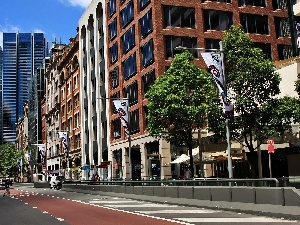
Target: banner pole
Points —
{"points": [[227, 120]]}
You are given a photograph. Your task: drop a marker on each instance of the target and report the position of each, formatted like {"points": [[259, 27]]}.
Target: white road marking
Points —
{"points": [[110, 202], [179, 211], [141, 206], [60, 219], [233, 220]]}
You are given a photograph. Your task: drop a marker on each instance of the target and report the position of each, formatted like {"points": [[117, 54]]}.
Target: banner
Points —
{"points": [[28, 158], [41, 153], [122, 109], [214, 63], [65, 143]]}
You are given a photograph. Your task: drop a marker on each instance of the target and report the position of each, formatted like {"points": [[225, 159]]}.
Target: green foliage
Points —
{"points": [[178, 101], [253, 83], [297, 84], [9, 157]]}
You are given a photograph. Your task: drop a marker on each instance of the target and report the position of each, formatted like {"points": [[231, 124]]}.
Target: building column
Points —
{"points": [[144, 162], [125, 164], [165, 159]]}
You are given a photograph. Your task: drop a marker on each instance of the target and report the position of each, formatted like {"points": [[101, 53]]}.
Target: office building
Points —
{"points": [[23, 53], [125, 45], [1, 100]]}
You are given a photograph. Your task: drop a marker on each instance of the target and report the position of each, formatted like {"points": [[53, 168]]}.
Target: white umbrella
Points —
{"points": [[181, 159]]}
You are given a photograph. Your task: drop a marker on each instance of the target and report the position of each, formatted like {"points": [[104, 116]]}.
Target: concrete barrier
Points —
{"points": [[272, 196], [291, 196], [202, 193], [41, 185], [186, 192], [221, 194], [287, 196], [243, 194]]}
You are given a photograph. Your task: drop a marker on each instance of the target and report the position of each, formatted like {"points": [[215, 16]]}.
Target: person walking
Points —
{"points": [[7, 185], [187, 174]]}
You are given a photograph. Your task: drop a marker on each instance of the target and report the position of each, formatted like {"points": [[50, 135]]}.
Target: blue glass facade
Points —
{"points": [[23, 53]]}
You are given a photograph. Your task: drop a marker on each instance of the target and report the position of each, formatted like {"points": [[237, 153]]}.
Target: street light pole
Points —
{"points": [[230, 172], [128, 127]]}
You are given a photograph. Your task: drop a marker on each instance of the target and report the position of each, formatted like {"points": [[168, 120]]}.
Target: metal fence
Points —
{"points": [[263, 182]]}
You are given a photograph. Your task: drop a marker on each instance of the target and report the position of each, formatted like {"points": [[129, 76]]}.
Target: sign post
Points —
{"points": [[271, 150]]}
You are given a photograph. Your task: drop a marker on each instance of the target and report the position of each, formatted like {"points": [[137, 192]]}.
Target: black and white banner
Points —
{"points": [[122, 109], [41, 153], [214, 63], [64, 141]]}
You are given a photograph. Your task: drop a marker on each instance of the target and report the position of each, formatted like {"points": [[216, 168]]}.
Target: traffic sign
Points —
{"points": [[271, 146]]}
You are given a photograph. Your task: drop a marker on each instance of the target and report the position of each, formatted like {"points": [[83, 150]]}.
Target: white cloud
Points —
{"points": [[38, 31], [80, 3], [7, 28]]}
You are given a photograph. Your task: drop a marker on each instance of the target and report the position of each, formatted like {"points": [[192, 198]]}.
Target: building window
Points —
{"points": [[226, 1], [217, 20], [146, 24], [177, 16], [282, 27], [114, 53], [145, 109], [111, 7], [212, 43], [127, 14], [129, 66], [261, 3], [285, 52], [116, 125], [148, 79], [279, 4], [265, 47], [113, 29], [147, 53], [144, 3], [69, 105], [131, 91], [76, 100], [174, 41], [134, 122], [256, 24], [114, 76], [128, 40]]}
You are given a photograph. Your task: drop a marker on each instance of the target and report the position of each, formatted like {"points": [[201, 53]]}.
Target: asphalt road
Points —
{"points": [[28, 205]]}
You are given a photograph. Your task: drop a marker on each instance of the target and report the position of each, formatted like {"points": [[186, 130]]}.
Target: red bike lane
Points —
{"points": [[76, 213]]}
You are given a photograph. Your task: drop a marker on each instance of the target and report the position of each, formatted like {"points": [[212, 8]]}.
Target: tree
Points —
{"points": [[178, 101], [253, 85], [9, 157]]}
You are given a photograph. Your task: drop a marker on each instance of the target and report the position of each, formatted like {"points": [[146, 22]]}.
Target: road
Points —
{"points": [[28, 205]]}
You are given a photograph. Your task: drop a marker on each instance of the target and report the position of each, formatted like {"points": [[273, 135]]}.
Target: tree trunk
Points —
{"points": [[190, 146], [252, 161]]}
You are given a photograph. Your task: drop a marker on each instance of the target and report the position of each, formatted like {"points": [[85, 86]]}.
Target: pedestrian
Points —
{"points": [[96, 177], [187, 174], [7, 185]]}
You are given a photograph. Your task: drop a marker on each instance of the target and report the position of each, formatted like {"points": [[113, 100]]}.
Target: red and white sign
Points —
{"points": [[271, 146]]}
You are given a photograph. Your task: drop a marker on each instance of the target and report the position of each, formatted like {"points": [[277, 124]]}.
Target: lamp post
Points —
{"points": [[224, 89], [122, 105]]}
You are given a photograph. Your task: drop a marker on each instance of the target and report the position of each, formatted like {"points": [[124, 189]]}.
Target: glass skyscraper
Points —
{"points": [[23, 53]]}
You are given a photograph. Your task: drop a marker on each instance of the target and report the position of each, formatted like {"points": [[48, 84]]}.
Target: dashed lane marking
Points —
{"points": [[178, 211], [233, 220]]}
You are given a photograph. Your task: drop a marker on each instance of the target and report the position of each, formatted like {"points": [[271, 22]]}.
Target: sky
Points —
{"points": [[55, 18]]}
